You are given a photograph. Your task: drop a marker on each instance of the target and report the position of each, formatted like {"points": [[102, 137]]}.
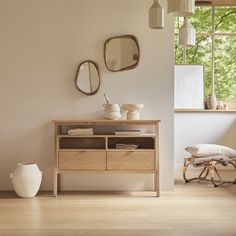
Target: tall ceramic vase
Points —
{"points": [[26, 179]]}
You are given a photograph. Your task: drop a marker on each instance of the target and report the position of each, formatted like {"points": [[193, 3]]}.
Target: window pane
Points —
{"points": [[178, 51], [225, 22], [225, 76], [202, 19], [201, 54], [225, 18]]}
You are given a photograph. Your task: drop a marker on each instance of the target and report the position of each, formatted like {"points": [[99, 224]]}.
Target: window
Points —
{"points": [[215, 30]]}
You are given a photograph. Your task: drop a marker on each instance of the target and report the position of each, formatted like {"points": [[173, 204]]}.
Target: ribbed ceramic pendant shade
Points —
{"points": [[187, 34], [156, 16], [181, 7]]}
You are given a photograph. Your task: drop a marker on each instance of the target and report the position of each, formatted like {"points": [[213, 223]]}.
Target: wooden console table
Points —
{"points": [[98, 152]]}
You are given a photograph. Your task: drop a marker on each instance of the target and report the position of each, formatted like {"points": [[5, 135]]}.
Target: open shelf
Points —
{"points": [[82, 143], [141, 142]]}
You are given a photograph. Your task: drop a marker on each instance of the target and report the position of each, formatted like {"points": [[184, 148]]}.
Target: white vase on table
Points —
{"points": [[26, 179], [112, 111], [132, 110]]}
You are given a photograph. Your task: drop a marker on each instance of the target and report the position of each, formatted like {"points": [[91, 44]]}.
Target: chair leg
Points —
{"points": [[219, 182], [233, 163], [186, 164], [205, 169], [212, 173]]}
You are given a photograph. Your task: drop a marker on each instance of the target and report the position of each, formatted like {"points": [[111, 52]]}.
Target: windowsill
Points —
{"points": [[205, 110]]}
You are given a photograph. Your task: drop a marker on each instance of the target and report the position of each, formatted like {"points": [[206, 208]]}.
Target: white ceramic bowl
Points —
{"points": [[112, 115], [111, 107], [132, 107]]}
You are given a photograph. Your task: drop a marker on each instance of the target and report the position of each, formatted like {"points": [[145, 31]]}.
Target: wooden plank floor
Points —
{"points": [[191, 209]]}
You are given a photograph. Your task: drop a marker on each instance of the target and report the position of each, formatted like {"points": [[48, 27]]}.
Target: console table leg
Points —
{"points": [[156, 184], [58, 182], [55, 184]]}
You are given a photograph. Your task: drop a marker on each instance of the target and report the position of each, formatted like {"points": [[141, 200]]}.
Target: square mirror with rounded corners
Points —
{"points": [[121, 53]]}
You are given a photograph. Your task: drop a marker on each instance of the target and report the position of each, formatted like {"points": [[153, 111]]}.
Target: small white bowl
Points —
{"points": [[132, 107], [111, 107]]}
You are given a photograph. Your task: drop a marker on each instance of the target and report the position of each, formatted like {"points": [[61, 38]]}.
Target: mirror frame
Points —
{"points": [[77, 74], [122, 36]]}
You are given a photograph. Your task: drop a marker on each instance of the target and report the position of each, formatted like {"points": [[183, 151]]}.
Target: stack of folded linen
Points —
{"points": [[126, 146], [81, 131], [211, 152]]}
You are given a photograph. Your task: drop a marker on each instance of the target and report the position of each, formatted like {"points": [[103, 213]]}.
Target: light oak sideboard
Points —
{"points": [[98, 153]]}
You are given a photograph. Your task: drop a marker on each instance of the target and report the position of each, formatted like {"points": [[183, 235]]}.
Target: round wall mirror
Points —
{"points": [[121, 53], [87, 78]]}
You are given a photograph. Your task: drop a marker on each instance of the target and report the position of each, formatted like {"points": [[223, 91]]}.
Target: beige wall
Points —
{"points": [[41, 44]]}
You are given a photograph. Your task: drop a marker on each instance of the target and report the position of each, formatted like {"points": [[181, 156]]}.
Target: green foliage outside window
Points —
{"points": [[225, 49]]}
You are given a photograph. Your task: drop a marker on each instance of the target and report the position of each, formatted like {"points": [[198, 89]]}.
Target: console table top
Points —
{"points": [[135, 122]]}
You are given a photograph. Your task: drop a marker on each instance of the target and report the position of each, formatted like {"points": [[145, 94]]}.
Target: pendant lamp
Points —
{"points": [[181, 7], [156, 16], [187, 34]]}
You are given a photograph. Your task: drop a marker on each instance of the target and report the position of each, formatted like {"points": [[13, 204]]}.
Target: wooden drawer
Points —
{"points": [[130, 160], [82, 160]]}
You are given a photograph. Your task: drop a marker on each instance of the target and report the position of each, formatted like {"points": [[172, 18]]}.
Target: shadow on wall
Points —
{"points": [[229, 139]]}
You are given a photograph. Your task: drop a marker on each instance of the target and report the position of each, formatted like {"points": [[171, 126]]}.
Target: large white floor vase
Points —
{"points": [[26, 179]]}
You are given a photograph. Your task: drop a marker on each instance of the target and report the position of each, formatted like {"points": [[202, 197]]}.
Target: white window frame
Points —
{"points": [[213, 35]]}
